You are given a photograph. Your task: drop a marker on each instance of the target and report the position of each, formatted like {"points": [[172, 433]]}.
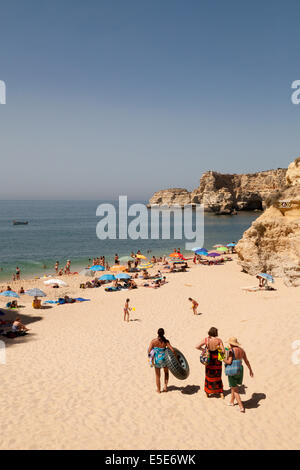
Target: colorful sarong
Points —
{"points": [[213, 374]]}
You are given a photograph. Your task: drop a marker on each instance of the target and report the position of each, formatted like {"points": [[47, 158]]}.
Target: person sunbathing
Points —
{"points": [[18, 327]]}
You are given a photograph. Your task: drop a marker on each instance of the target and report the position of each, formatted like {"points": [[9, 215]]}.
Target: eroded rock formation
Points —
{"points": [[272, 243], [171, 196], [224, 193]]}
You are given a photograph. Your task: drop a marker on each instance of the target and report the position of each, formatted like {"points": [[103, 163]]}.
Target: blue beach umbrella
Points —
{"points": [[197, 248], [107, 277], [123, 276], [268, 277], [35, 292], [97, 267], [202, 251], [231, 244], [9, 293]]}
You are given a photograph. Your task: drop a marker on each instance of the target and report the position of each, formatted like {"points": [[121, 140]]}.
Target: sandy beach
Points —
{"points": [[81, 379]]}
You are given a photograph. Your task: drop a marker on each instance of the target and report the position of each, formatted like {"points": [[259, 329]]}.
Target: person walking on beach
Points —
{"points": [[236, 353], [157, 349], [56, 266], [213, 370], [194, 305], [18, 273], [126, 310]]}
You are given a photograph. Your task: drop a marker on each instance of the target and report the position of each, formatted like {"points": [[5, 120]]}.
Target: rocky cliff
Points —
{"points": [[272, 243], [225, 193]]}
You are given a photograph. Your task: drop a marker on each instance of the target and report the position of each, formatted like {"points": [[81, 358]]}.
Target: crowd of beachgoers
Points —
{"points": [[133, 272]]}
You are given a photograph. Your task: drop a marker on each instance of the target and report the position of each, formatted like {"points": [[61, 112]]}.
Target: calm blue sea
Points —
{"points": [[61, 230]]}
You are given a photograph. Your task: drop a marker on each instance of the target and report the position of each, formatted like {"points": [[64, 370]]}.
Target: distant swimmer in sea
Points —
{"points": [[126, 310], [194, 305], [157, 351]]}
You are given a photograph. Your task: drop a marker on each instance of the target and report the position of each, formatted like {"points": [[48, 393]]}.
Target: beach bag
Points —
{"points": [[221, 355], [205, 355], [234, 368]]}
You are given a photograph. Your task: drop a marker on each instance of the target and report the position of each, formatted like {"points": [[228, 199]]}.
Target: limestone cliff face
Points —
{"points": [[272, 243], [171, 196], [227, 192], [224, 193]]}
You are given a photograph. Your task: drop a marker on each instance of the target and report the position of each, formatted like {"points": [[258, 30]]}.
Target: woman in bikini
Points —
{"points": [[126, 310], [158, 348]]}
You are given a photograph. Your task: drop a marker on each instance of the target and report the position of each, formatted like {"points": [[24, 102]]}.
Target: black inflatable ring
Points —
{"points": [[178, 366]]}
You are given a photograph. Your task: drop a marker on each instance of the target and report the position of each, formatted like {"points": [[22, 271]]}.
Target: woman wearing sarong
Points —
{"points": [[213, 370], [157, 351]]}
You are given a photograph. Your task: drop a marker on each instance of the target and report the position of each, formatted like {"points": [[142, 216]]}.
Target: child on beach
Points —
{"points": [[194, 305], [126, 310]]}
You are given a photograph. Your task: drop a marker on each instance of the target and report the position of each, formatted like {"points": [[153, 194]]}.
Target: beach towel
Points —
{"points": [[159, 357]]}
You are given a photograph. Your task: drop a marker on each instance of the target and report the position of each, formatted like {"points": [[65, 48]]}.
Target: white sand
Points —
{"points": [[81, 379]]}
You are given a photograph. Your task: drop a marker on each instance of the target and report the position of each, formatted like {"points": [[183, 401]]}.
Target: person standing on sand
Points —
{"points": [[158, 348], [194, 305], [126, 310], [213, 370], [236, 353], [18, 273], [56, 266]]}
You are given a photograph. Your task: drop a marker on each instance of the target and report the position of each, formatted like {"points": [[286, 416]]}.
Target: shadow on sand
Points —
{"points": [[187, 390], [9, 316], [253, 402]]}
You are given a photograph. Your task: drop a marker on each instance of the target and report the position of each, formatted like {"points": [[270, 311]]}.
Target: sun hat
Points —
{"points": [[232, 340]]}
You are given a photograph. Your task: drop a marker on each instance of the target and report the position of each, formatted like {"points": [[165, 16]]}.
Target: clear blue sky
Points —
{"points": [[109, 97]]}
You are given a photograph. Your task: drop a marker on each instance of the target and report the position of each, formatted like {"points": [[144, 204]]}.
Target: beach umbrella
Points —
{"points": [[175, 255], [9, 293], [86, 272], [268, 277], [213, 254], [118, 267], [145, 266], [125, 259], [218, 246], [222, 248], [202, 251], [123, 276], [231, 244], [97, 267], [196, 248], [107, 277], [141, 256], [35, 292], [55, 281]]}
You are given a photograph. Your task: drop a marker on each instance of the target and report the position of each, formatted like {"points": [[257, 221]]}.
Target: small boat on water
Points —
{"points": [[18, 222]]}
